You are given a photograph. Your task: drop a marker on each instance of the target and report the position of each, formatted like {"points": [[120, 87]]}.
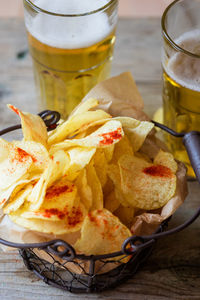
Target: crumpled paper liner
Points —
{"points": [[118, 96]]}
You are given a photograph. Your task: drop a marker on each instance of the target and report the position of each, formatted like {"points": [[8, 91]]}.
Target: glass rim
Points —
{"points": [[39, 9], [166, 35]]}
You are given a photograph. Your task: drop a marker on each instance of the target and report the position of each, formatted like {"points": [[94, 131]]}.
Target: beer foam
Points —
{"points": [[70, 32], [185, 69]]}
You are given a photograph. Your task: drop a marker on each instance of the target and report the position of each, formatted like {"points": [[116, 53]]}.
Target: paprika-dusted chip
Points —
{"points": [[33, 127], [108, 134], [101, 233], [145, 185], [14, 164], [69, 127]]}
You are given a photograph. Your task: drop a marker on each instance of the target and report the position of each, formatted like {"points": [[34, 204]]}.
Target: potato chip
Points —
{"points": [[121, 148], [146, 186], [101, 233], [138, 134], [11, 191], [38, 153], [55, 169], [108, 151], [125, 214], [33, 127], [72, 223], [16, 201], [69, 127], [106, 135], [95, 185], [100, 165], [114, 174], [111, 202], [14, 166], [59, 200], [84, 106], [84, 190], [79, 159], [166, 159]]}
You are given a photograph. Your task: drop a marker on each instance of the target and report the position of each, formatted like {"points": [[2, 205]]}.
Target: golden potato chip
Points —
{"points": [[60, 199], [11, 191], [14, 166], [108, 151], [55, 169], [72, 223], [16, 201], [84, 106], [33, 127], [121, 148], [114, 174], [79, 159], [146, 186], [111, 202], [166, 159], [84, 190], [95, 185], [69, 127], [108, 232], [39, 190], [100, 165], [106, 135], [138, 134], [125, 214], [38, 153]]}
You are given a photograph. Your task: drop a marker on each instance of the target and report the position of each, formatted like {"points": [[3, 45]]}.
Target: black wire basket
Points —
{"points": [[57, 263]]}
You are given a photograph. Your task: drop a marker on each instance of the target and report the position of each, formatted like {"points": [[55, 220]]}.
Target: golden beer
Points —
{"points": [[181, 94], [70, 54]]}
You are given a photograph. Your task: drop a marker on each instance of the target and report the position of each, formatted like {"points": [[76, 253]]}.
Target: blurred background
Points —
{"points": [[127, 8]]}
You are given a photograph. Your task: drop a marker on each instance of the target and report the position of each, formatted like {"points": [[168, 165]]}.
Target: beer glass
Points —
{"points": [[181, 72], [71, 43]]}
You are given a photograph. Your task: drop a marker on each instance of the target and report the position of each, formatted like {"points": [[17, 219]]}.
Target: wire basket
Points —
{"points": [[57, 263]]}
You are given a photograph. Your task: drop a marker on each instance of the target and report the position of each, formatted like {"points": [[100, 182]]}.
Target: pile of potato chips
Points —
{"points": [[85, 176]]}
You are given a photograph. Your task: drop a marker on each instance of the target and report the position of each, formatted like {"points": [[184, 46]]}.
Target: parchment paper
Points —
{"points": [[120, 97]]}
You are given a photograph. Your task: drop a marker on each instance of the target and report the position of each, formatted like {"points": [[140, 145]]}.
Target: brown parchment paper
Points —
{"points": [[118, 96]]}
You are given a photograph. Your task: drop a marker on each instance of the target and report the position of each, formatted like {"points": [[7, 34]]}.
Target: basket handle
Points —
{"points": [[191, 142]]}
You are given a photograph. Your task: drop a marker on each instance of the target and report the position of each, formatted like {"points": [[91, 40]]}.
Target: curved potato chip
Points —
{"points": [[106, 135], [69, 127], [114, 174], [55, 169], [15, 165], [84, 106], [38, 153], [138, 134], [60, 199], [125, 214], [33, 127], [84, 190], [111, 202], [72, 223], [95, 185], [166, 159], [108, 231], [79, 159], [18, 200], [100, 165], [122, 148], [146, 186], [11, 191]]}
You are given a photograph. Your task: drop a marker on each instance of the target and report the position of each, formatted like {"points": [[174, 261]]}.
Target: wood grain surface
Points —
{"points": [[173, 270]]}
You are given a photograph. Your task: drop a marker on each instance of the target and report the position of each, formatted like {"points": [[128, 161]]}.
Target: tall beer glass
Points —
{"points": [[71, 43], [181, 72]]}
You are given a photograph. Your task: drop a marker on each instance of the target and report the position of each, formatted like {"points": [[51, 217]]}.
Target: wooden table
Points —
{"points": [[173, 270]]}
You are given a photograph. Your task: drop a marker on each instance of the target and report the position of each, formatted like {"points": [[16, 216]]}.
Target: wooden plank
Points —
{"points": [[173, 270]]}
